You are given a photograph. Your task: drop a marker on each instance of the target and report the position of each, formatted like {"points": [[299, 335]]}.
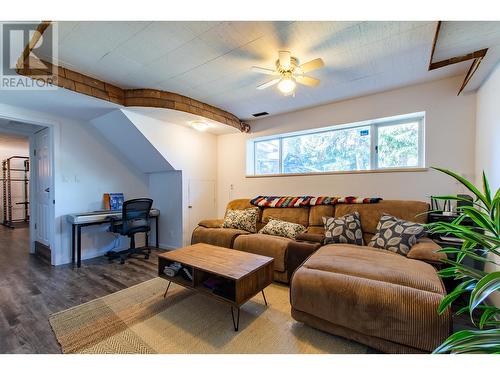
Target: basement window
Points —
{"points": [[386, 144]]}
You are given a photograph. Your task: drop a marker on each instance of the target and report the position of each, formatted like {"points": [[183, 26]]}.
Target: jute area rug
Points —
{"points": [[140, 320]]}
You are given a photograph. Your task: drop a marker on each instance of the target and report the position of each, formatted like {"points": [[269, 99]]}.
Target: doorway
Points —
{"points": [[14, 159], [201, 201], [27, 184]]}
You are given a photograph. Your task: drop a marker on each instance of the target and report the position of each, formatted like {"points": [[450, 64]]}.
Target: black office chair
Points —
{"points": [[135, 219]]}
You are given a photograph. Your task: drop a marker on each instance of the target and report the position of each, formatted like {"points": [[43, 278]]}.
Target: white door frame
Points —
{"points": [[53, 132]]}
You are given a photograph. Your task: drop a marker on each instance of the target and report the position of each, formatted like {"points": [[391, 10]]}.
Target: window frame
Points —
{"points": [[373, 125]]}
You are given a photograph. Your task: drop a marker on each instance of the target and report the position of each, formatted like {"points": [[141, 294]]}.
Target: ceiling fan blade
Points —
{"points": [[311, 65], [307, 81], [258, 69], [268, 84], [285, 59]]}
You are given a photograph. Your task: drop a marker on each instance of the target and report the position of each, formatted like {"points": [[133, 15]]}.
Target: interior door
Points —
{"points": [[43, 181], [201, 202]]}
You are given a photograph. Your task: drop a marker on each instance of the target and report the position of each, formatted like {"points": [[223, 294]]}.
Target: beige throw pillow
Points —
{"points": [[282, 228], [242, 219]]}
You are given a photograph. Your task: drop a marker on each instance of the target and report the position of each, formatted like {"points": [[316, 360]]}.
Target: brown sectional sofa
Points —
{"points": [[384, 300], [210, 231]]}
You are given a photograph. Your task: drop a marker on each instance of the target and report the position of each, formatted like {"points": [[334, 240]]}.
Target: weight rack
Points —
{"points": [[7, 181]]}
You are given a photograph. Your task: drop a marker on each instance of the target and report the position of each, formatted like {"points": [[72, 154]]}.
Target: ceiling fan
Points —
{"points": [[289, 73]]}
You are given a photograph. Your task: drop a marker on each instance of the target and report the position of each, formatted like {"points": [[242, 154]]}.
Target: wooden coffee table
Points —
{"points": [[239, 275]]}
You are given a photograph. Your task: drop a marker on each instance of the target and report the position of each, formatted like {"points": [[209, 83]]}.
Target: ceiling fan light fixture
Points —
{"points": [[287, 85]]}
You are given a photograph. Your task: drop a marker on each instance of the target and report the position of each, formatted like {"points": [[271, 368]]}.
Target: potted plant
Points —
{"points": [[481, 242]]}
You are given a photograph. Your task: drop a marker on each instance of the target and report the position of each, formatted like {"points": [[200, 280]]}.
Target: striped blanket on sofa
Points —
{"points": [[306, 200]]}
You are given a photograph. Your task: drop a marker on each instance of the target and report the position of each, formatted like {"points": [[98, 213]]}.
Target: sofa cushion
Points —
{"points": [[317, 230], [299, 215], [374, 264], [316, 214], [216, 236], [239, 204], [264, 244], [427, 250], [211, 223], [242, 204], [374, 292], [282, 228], [396, 235], [242, 219], [344, 229], [370, 214]]}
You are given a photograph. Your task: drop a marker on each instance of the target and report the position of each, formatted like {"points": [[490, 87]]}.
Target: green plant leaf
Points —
{"points": [[453, 198], [481, 219], [462, 310], [469, 254], [487, 285], [486, 316], [486, 188], [448, 300], [467, 184], [465, 233], [466, 270], [448, 272], [483, 341], [495, 211]]}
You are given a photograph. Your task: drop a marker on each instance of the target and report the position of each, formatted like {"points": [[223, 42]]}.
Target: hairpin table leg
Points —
{"points": [[263, 295], [168, 286], [236, 324]]}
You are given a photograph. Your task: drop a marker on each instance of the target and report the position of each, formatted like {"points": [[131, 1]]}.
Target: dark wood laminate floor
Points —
{"points": [[31, 290]]}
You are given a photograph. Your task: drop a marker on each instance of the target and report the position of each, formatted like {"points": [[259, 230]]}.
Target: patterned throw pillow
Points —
{"points": [[396, 235], [282, 228], [344, 229], [242, 219]]}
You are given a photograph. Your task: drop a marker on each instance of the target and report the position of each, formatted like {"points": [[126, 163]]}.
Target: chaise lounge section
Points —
{"points": [[373, 296]]}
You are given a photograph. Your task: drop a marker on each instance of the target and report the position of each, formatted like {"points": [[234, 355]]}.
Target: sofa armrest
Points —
{"points": [[297, 253], [426, 250], [311, 237], [211, 223]]}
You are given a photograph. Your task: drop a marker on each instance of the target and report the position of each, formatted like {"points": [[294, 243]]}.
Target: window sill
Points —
{"points": [[385, 170]]}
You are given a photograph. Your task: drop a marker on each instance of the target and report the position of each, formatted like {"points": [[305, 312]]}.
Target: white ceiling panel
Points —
{"points": [[460, 38], [211, 61]]}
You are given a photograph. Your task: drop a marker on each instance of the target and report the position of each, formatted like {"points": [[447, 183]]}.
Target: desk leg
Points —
{"points": [[79, 246], [73, 244], [157, 233]]}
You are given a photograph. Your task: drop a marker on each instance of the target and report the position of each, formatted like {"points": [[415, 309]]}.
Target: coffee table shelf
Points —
{"points": [[243, 274]]}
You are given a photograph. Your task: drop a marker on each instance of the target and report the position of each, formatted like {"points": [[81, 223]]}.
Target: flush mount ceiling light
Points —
{"points": [[290, 73], [201, 126]]}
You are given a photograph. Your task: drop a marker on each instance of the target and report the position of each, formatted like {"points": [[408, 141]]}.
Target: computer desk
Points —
{"points": [[86, 219]]}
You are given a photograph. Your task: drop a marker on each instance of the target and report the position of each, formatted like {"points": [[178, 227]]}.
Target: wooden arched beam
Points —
{"points": [[83, 84], [477, 56]]}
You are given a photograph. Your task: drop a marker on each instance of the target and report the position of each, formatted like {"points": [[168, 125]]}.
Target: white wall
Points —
{"points": [[449, 129], [14, 146], [488, 141], [88, 166], [85, 167], [192, 152], [165, 189]]}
